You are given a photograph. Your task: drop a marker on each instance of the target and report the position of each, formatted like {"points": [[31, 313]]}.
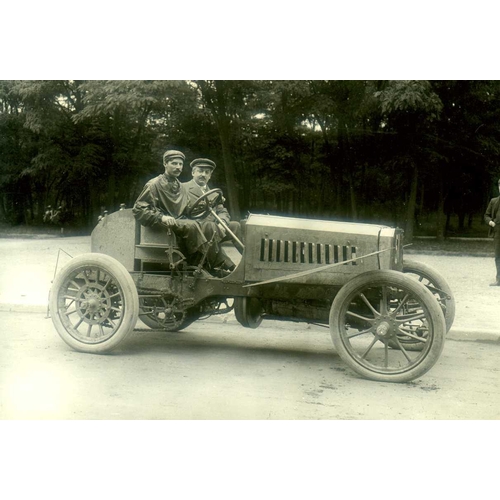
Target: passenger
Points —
{"points": [[163, 203], [201, 170]]}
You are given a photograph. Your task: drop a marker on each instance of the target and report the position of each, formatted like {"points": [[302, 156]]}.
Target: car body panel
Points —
{"points": [[277, 245]]}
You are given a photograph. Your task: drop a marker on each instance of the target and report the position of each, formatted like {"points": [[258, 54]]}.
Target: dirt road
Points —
{"points": [[220, 370], [216, 369]]}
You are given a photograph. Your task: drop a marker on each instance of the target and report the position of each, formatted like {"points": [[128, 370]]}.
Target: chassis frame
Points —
{"points": [[387, 320]]}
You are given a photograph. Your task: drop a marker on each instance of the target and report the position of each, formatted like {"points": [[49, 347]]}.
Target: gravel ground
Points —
{"points": [[218, 370], [469, 277], [29, 265]]}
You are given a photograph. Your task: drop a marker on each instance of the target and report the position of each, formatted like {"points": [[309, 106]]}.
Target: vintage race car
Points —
{"points": [[387, 316]]}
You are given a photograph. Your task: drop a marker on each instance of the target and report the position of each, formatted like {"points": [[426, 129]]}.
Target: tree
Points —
{"points": [[467, 138], [371, 150], [340, 107], [123, 115], [226, 102], [37, 160], [408, 107]]}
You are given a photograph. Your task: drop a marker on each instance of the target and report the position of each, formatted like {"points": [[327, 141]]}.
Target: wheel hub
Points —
{"points": [[383, 329], [164, 313], [93, 304], [90, 303], [386, 328]]}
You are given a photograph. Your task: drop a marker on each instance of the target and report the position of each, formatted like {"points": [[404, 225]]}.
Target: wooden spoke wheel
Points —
{"points": [[94, 303], [378, 309], [164, 314]]}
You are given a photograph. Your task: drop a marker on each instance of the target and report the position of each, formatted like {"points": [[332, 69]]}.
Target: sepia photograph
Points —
{"points": [[250, 249], [248, 260]]}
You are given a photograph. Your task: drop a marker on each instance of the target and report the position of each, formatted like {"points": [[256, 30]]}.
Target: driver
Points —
{"points": [[164, 201], [201, 170]]}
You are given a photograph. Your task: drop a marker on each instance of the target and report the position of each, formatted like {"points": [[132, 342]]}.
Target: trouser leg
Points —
{"points": [[216, 256], [192, 237], [235, 227], [497, 253]]}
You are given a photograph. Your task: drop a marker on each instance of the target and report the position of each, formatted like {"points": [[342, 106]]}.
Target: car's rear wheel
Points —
{"points": [[369, 314], [438, 286], [94, 303], [160, 313]]}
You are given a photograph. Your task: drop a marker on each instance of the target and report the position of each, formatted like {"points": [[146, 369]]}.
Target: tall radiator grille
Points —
{"points": [[302, 252]]}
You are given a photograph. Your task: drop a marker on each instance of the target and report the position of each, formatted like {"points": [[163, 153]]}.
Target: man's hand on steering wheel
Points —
{"points": [[202, 206]]}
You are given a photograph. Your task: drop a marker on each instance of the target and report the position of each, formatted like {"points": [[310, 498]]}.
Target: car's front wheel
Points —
{"points": [[94, 303], [378, 309]]}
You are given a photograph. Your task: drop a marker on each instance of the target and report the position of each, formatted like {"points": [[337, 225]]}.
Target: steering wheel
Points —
{"points": [[201, 207]]}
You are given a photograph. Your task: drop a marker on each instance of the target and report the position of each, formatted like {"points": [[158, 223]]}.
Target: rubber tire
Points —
{"points": [[248, 311], [149, 322], [429, 273], [383, 277], [130, 299], [154, 325]]}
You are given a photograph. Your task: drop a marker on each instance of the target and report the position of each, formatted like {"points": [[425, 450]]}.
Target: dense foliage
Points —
{"points": [[380, 151]]}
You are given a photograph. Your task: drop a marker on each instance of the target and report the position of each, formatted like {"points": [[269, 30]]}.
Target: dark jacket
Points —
{"points": [[161, 196], [195, 192], [493, 214]]}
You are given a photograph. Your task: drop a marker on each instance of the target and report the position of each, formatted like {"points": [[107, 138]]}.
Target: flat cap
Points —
{"points": [[203, 163], [172, 153]]}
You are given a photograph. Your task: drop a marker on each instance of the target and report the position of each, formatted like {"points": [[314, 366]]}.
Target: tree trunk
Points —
{"points": [[3, 211], [354, 211], [469, 223], [412, 203], [110, 198], [440, 218], [232, 190], [31, 210], [447, 225], [461, 219], [40, 207], [93, 208], [344, 164], [421, 202], [219, 109], [334, 193]]}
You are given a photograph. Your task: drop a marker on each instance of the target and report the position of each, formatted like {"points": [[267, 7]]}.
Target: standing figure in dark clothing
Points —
{"points": [[492, 218], [201, 170]]}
